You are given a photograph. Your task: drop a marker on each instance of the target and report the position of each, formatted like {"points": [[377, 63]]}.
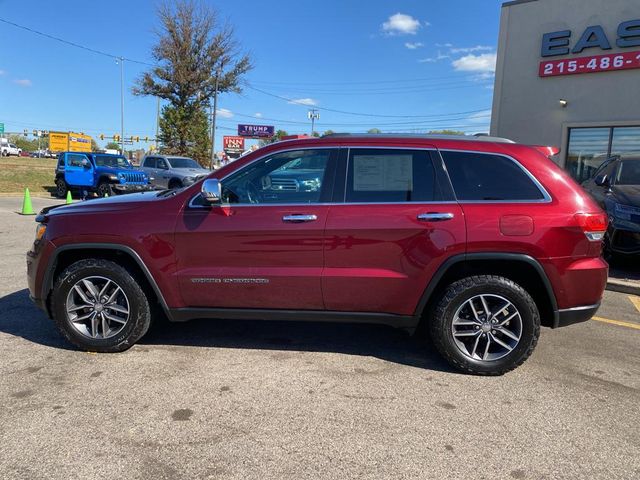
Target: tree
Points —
{"points": [[374, 130], [276, 138], [446, 132], [185, 131], [328, 132], [94, 146], [193, 53], [112, 146]]}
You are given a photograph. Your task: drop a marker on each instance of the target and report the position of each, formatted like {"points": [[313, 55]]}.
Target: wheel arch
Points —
{"points": [[520, 268], [121, 254], [174, 180]]}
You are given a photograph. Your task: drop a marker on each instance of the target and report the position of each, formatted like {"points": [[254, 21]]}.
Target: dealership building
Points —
{"points": [[568, 75]]}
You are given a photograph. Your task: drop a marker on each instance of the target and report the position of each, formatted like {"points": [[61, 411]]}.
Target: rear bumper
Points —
{"points": [[569, 316]]}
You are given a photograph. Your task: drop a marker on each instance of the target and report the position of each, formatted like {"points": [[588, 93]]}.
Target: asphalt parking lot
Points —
{"points": [[223, 399]]}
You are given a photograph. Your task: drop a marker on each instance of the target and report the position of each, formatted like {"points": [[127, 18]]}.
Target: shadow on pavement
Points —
{"points": [[19, 317]]}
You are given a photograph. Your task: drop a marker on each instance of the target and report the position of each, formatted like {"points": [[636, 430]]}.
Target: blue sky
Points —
{"points": [[401, 66]]}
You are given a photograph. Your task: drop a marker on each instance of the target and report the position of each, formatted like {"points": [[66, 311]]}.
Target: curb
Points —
{"points": [[623, 286]]}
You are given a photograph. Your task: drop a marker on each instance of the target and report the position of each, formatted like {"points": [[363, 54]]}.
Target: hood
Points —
{"points": [[98, 205], [626, 195]]}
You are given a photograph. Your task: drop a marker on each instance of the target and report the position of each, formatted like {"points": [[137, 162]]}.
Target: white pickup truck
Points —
{"points": [[7, 149]]}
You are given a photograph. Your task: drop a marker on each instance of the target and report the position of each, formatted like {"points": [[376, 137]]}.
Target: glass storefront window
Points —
{"points": [[588, 148], [625, 141]]}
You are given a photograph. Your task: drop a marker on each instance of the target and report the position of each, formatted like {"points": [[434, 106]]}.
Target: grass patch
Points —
{"points": [[16, 173]]}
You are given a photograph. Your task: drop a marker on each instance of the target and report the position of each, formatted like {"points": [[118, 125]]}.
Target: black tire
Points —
{"points": [[139, 319], [174, 183], [104, 188], [455, 296], [61, 188]]}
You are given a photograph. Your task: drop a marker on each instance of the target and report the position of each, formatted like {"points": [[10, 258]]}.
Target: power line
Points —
{"points": [[67, 42]]}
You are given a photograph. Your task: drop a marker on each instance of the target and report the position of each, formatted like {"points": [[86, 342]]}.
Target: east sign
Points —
{"points": [[563, 43]]}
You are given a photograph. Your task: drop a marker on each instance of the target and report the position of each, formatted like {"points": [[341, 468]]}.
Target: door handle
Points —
{"points": [[435, 217], [299, 218]]}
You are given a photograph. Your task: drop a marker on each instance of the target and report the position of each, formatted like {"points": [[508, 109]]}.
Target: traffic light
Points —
{"points": [[116, 137], [137, 138], [146, 139], [26, 132], [102, 136]]}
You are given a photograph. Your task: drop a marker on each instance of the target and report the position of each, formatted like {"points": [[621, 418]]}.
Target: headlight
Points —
{"points": [[188, 180], [310, 185], [41, 228], [624, 212], [121, 177]]}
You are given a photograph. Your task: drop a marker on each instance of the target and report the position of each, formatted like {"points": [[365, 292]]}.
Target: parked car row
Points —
{"points": [[108, 174]]}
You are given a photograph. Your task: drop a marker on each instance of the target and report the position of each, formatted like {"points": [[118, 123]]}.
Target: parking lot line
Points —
{"points": [[636, 301], [635, 326]]}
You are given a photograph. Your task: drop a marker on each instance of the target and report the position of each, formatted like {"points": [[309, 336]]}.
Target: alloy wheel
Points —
{"points": [[487, 327], [97, 307]]}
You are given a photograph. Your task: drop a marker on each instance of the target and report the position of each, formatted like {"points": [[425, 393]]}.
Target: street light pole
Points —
{"points": [[313, 115], [157, 124], [213, 117], [122, 105]]}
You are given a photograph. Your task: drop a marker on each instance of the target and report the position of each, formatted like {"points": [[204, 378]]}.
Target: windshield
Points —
{"points": [[111, 161], [629, 173], [177, 162]]}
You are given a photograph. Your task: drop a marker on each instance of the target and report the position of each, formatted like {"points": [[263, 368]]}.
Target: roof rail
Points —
{"points": [[472, 138]]}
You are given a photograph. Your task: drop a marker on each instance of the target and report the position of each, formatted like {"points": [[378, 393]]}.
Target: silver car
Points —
{"points": [[170, 171]]}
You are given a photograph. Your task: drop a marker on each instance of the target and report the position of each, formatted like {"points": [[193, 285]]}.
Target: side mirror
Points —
{"points": [[602, 181], [211, 191]]}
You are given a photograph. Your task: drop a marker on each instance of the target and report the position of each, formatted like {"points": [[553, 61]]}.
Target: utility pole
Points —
{"points": [[213, 117], [122, 104], [157, 124], [313, 115]]}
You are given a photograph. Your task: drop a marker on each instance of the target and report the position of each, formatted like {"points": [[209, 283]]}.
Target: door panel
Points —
{"points": [[75, 171], [398, 224], [249, 257], [381, 259]]}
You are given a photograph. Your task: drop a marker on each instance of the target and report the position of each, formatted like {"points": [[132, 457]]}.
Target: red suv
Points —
{"points": [[480, 240]]}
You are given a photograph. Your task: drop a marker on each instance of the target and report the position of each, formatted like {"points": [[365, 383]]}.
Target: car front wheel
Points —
{"points": [[61, 188], [485, 325], [99, 306]]}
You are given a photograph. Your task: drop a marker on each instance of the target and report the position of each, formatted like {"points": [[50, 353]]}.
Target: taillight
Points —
{"points": [[594, 225]]}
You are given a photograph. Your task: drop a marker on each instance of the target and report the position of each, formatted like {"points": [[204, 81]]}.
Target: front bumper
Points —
{"points": [[569, 316], [623, 241], [128, 187]]}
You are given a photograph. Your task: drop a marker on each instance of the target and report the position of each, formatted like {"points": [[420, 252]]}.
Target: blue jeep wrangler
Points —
{"points": [[100, 173]]}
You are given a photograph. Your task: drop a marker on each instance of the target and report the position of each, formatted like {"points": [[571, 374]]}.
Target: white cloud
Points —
{"points": [[414, 45], [257, 115], [224, 113], [304, 101], [444, 45], [483, 63], [477, 48], [23, 82], [402, 24], [437, 58]]}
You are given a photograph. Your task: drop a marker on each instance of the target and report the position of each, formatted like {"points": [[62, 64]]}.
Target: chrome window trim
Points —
{"points": [[546, 197]]}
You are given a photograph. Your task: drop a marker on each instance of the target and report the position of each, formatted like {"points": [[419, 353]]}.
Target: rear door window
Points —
{"points": [[391, 176], [479, 176]]}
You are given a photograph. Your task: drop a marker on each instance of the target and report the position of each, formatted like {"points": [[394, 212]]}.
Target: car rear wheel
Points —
{"points": [[99, 306], [485, 325], [61, 188]]}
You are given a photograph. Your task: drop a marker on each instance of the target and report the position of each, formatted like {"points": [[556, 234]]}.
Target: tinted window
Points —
{"points": [[477, 176], [177, 162], [388, 176], [149, 162], [161, 163], [111, 161], [288, 177], [629, 173]]}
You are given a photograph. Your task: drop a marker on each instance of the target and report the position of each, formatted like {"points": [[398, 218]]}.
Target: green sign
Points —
{"points": [[1, 127]]}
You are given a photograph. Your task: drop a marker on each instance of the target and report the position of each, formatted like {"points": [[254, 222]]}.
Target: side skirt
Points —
{"points": [[398, 321]]}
